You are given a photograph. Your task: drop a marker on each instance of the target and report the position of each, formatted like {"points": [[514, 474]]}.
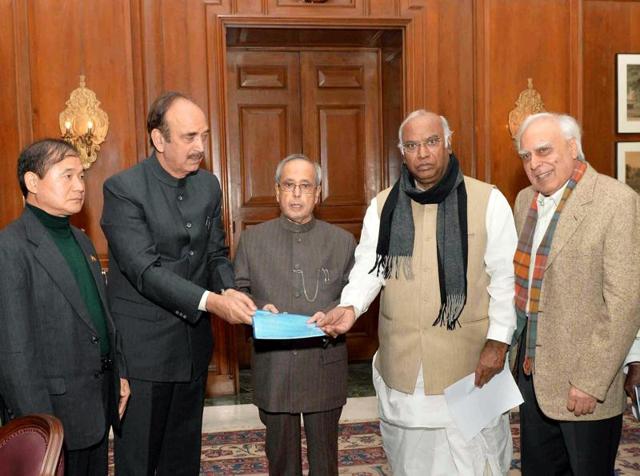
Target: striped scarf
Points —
{"points": [[522, 261]]}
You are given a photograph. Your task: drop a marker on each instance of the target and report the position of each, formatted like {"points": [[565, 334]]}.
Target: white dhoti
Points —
{"points": [[420, 438]]}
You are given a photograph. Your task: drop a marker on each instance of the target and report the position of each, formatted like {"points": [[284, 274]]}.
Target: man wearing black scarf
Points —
{"points": [[439, 247]]}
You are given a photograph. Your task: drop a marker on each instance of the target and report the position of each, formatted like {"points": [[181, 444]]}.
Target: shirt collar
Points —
{"points": [[554, 198], [164, 176], [296, 227]]}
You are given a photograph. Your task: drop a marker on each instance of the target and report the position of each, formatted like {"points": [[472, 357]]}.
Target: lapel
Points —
{"points": [[574, 212], [522, 206], [96, 271], [50, 258]]}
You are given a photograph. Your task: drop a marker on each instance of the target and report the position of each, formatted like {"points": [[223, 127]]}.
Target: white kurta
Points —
{"points": [[400, 411]]}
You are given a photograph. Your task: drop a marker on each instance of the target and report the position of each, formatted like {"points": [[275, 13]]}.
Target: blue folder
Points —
{"points": [[267, 325]]}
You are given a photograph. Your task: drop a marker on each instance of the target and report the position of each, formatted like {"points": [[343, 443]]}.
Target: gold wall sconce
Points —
{"points": [[529, 102], [83, 123]]}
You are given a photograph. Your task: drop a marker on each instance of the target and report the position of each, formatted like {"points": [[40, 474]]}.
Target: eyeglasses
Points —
{"points": [[305, 187], [412, 147]]}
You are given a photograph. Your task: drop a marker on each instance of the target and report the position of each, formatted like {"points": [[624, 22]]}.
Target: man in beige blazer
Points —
{"points": [[578, 307]]}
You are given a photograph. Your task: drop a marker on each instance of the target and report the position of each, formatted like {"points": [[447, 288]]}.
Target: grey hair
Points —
{"points": [[422, 112], [568, 125], [292, 157]]}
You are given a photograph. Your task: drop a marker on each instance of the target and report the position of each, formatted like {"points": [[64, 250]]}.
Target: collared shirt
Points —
{"points": [[546, 208], [417, 409]]}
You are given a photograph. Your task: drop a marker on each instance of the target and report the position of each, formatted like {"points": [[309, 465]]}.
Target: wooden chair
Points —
{"points": [[32, 446]]}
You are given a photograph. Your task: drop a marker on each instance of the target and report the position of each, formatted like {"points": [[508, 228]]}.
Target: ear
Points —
{"points": [[317, 194], [158, 140], [573, 148], [31, 180], [277, 193]]}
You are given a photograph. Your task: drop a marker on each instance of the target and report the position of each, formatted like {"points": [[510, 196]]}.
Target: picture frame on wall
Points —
{"points": [[628, 164], [628, 92]]}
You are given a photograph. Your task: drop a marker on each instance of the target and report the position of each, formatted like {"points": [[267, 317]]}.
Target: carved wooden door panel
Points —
{"points": [[341, 122], [263, 128], [325, 104]]}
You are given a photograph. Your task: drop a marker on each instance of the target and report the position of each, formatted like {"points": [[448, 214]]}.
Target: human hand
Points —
{"points": [[337, 321], [632, 379], [125, 393], [271, 308], [579, 402], [491, 361], [232, 306]]}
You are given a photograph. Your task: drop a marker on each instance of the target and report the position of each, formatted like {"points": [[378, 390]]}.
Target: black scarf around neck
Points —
{"points": [[396, 236]]}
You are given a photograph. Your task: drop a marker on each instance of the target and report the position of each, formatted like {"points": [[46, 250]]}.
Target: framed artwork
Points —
{"points": [[628, 92], [628, 164]]}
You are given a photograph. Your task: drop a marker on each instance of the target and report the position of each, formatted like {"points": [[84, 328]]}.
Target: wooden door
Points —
{"points": [[263, 128], [325, 104], [341, 122]]}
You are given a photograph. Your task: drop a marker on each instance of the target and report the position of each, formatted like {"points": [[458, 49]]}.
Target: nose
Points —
{"points": [[535, 161], [297, 190], [78, 184], [423, 150], [198, 144]]}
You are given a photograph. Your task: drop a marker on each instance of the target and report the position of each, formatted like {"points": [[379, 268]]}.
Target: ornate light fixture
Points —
{"points": [[84, 124]]}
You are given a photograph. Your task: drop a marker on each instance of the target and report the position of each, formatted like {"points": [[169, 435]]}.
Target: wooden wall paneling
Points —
{"points": [[67, 40], [481, 74], [111, 75], [249, 7], [609, 28], [415, 95], [15, 104], [138, 97], [223, 368], [514, 54], [392, 70], [176, 54], [332, 8], [383, 8], [151, 28], [455, 86], [576, 41]]}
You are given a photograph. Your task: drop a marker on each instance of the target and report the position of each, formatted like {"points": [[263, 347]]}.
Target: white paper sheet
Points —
{"points": [[472, 408]]}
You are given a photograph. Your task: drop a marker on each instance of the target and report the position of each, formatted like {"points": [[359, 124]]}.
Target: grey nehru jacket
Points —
{"points": [[282, 263]]}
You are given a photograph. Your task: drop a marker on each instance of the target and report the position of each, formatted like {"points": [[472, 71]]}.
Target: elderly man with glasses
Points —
{"points": [[299, 265], [440, 247], [577, 301]]}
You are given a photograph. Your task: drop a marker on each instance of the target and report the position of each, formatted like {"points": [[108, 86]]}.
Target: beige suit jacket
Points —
{"points": [[590, 297]]}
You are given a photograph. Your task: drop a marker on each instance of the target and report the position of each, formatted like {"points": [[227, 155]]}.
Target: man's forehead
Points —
{"points": [[186, 115], [298, 168], [427, 125], [70, 162], [543, 130]]}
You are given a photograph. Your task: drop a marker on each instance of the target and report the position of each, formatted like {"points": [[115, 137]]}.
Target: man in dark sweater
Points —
{"points": [[58, 350]]}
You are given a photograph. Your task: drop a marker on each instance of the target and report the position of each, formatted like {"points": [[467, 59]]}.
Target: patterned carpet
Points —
{"points": [[361, 453]]}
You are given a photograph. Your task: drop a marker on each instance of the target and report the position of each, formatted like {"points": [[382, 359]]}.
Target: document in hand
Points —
{"points": [[472, 408], [267, 325]]}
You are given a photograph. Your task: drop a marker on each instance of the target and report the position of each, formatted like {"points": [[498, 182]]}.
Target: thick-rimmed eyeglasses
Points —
{"points": [[412, 147], [305, 188]]}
